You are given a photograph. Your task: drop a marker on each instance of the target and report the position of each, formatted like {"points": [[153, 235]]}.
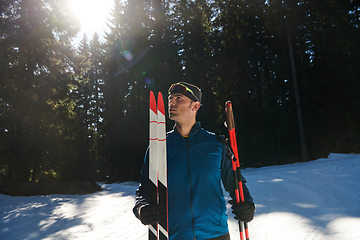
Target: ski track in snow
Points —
{"points": [[317, 200]]}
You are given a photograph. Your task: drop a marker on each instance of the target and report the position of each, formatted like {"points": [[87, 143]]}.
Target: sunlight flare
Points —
{"points": [[92, 14]]}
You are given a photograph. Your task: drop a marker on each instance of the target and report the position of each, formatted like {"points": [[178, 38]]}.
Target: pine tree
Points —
{"points": [[39, 71]]}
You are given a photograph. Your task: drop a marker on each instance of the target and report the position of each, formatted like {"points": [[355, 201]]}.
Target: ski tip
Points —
{"points": [[161, 106], [152, 102]]}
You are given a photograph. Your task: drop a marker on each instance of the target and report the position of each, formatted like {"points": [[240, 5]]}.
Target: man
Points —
{"points": [[197, 163]]}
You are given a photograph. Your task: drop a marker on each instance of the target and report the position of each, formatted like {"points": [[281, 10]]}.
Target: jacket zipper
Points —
{"points": [[190, 193]]}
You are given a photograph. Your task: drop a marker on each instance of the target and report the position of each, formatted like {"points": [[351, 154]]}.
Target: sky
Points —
{"points": [[317, 200], [92, 15]]}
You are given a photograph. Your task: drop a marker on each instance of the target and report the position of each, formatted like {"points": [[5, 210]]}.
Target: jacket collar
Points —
{"points": [[194, 130]]}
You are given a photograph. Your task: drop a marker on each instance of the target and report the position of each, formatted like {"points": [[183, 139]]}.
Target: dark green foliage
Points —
{"points": [[35, 74], [83, 115]]}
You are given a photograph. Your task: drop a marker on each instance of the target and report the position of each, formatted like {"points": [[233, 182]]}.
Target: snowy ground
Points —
{"points": [[312, 200]]}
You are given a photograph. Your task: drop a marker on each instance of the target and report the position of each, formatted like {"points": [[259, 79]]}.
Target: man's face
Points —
{"points": [[179, 107]]}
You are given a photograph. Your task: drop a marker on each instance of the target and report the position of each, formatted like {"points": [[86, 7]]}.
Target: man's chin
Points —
{"points": [[172, 116]]}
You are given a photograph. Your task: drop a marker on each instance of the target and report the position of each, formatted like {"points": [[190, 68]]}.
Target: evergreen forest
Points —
{"points": [[80, 112]]}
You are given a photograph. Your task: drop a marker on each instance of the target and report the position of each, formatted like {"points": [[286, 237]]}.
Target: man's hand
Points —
{"points": [[243, 212], [149, 214]]}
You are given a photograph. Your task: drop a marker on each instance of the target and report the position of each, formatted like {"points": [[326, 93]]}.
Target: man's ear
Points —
{"points": [[195, 106]]}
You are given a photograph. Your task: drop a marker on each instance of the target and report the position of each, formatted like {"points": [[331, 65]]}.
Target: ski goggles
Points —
{"points": [[181, 88]]}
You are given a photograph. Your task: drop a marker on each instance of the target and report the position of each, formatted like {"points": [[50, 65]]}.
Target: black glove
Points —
{"points": [[244, 212], [149, 214]]}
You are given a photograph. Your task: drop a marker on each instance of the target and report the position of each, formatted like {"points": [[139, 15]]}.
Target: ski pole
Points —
{"points": [[239, 193]]}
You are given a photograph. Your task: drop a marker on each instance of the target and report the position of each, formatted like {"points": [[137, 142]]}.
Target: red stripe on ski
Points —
{"points": [[161, 106], [153, 102]]}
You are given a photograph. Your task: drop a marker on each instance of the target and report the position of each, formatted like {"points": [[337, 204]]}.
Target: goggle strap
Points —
{"points": [[181, 85]]}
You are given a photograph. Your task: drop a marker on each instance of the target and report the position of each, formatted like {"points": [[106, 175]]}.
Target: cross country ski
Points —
{"points": [[157, 164]]}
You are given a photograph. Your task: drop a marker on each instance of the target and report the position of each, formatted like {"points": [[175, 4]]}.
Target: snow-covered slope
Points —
{"points": [[312, 200]]}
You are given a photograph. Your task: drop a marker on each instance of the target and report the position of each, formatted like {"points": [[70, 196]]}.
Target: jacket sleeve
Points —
{"points": [[142, 193], [228, 177]]}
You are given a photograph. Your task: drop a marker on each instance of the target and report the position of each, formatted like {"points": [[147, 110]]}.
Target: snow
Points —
{"points": [[312, 200]]}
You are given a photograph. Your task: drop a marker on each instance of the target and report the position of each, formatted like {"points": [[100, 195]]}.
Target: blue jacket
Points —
{"points": [[196, 166]]}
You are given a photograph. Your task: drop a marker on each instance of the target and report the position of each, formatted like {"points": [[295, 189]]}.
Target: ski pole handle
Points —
{"points": [[236, 162], [239, 193]]}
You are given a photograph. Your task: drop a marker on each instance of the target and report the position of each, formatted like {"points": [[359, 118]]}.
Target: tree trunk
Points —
{"points": [[297, 96]]}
